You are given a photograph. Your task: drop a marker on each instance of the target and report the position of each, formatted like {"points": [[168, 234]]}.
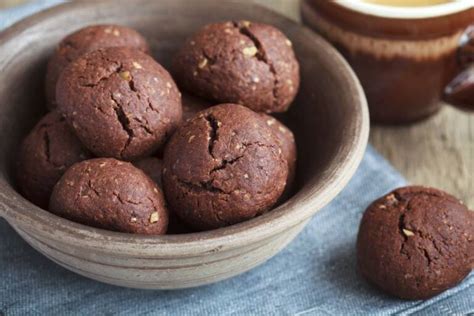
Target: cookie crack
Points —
{"points": [[144, 126], [124, 122], [210, 60], [119, 112], [261, 55], [93, 84], [401, 227], [206, 186], [226, 162], [132, 87], [426, 255], [213, 133], [116, 70], [155, 209], [47, 149], [91, 187], [150, 106]]}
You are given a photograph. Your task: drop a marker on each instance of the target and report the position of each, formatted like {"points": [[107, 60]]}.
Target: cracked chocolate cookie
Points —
{"points": [[222, 167], [120, 102], [87, 40], [110, 194], [286, 141], [416, 242], [45, 154], [240, 62]]}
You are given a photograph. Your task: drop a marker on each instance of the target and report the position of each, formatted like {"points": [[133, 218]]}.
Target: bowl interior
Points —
{"points": [[329, 116]]}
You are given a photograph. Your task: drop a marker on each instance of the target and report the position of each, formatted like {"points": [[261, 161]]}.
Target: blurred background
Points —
{"points": [[9, 3], [438, 151]]}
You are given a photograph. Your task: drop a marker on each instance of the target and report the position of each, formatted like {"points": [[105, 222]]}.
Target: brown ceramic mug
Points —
{"points": [[407, 58]]}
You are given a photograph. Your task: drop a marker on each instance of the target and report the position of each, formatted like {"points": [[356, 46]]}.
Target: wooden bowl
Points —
{"points": [[329, 118]]}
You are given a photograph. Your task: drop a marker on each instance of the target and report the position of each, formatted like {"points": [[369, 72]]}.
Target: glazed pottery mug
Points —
{"points": [[408, 55]]}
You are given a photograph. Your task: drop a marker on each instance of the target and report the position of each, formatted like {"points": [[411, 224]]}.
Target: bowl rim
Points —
{"points": [[259, 229]]}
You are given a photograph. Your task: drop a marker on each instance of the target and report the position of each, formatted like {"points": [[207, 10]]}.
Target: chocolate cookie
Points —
{"points": [[222, 167], [45, 154], [416, 242], [240, 62], [120, 102], [110, 194], [87, 40], [152, 167], [286, 141]]}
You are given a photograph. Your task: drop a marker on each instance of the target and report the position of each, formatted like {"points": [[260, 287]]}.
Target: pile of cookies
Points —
{"points": [[114, 152]]}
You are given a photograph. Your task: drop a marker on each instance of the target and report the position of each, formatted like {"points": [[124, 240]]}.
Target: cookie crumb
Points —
{"points": [[246, 23], [250, 51], [203, 63], [408, 233], [391, 198], [125, 75], [154, 217], [137, 65]]}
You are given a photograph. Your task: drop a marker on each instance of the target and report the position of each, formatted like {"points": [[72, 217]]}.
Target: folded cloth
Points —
{"points": [[316, 274]]}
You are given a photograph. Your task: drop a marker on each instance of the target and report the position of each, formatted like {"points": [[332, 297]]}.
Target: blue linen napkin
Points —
{"points": [[315, 275]]}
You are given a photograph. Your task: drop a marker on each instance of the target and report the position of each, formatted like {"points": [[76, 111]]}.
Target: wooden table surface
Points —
{"points": [[437, 152]]}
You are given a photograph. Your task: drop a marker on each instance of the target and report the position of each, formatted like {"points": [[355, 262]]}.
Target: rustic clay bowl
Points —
{"points": [[329, 117]]}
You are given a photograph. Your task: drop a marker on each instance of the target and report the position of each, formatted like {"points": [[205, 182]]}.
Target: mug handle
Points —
{"points": [[460, 91]]}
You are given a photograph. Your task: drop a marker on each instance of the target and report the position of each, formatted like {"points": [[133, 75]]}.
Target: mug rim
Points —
{"points": [[404, 12]]}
